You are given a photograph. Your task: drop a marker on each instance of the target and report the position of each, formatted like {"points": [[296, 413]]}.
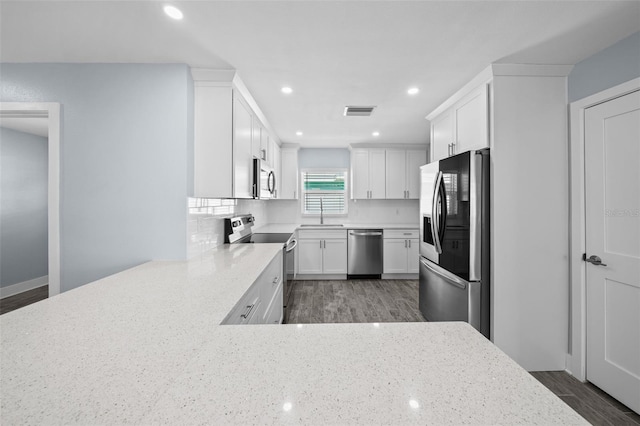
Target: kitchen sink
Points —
{"points": [[318, 225]]}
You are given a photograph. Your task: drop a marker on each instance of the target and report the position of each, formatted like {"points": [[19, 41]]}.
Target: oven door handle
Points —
{"points": [[291, 247]]}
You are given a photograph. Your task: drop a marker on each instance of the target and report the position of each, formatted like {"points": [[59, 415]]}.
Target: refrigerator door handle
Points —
{"points": [[443, 212], [435, 231], [451, 278]]}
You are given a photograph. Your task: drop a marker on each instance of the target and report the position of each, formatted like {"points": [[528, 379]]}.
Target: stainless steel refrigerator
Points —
{"points": [[454, 240]]}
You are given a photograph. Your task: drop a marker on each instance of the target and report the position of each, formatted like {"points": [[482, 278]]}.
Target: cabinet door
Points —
{"points": [[242, 158], [471, 121], [413, 256], [394, 256], [289, 174], [213, 148], [415, 159], [441, 136], [360, 174], [377, 173], [276, 168], [310, 256], [264, 145], [396, 172], [255, 138], [334, 256]]}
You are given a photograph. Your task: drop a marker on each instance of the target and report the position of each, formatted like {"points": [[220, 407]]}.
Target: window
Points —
{"points": [[326, 185]]}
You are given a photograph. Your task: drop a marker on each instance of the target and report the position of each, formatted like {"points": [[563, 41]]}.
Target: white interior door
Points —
{"points": [[612, 178]]}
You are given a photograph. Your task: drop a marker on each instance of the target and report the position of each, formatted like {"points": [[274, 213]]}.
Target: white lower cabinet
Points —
{"points": [[400, 254], [322, 252], [262, 302]]}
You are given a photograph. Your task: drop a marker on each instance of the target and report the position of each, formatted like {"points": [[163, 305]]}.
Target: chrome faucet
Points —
{"points": [[321, 213]]}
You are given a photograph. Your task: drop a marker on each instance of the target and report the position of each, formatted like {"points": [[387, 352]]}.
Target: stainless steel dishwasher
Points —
{"points": [[364, 253]]}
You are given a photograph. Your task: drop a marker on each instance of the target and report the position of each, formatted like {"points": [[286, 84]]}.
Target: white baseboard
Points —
{"points": [[320, 277], [400, 276], [18, 288]]}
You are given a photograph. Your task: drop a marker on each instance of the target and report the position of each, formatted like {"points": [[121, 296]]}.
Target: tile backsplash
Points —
{"points": [[205, 223]]}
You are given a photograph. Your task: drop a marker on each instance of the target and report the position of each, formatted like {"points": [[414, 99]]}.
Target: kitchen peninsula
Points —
{"points": [[144, 346]]}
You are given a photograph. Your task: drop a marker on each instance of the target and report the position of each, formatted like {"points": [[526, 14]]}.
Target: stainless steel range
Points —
{"points": [[238, 230]]}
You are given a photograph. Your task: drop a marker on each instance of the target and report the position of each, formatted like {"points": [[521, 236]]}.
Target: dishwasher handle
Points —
{"points": [[366, 234]]}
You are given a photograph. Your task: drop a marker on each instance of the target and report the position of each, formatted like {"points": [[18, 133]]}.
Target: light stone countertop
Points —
{"points": [[144, 347], [286, 228]]}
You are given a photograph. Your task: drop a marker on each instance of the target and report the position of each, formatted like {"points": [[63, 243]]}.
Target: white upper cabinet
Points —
{"points": [[403, 173], [463, 126], [242, 158], [277, 168], [441, 136], [255, 138], [288, 187], [264, 146], [471, 116], [213, 135], [368, 174], [229, 130]]}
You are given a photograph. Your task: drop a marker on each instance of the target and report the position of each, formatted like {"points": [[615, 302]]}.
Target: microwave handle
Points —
{"points": [[271, 182]]}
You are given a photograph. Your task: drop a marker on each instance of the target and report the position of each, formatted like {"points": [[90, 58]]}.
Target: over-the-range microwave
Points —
{"points": [[264, 180]]}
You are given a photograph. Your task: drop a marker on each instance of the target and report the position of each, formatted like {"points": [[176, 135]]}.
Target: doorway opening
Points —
{"points": [[30, 220]]}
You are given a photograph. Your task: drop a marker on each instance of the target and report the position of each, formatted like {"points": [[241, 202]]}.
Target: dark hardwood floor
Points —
{"points": [[17, 301], [354, 301], [397, 300], [592, 403]]}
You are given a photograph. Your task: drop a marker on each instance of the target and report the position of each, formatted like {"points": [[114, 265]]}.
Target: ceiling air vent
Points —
{"points": [[358, 111]]}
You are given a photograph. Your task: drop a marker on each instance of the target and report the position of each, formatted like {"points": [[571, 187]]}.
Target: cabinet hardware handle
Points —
{"points": [[248, 311], [407, 193], [409, 243], [320, 243], [405, 243]]}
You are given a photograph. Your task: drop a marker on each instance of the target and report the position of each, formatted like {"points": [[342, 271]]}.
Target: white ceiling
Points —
{"points": [[331, 53]]}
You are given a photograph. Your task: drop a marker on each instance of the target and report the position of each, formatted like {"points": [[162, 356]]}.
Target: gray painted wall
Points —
{"points": [[330, 158], [612, 66], [125, 140], [23, 207]]}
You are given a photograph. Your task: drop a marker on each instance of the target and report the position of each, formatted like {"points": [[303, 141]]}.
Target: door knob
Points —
{"points": [[595, 260]]}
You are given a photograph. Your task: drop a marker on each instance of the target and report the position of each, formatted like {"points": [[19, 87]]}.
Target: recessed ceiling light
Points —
{"points": [[287, 90], [173, 12], [298, 133], [413, 91], [376, 133]]}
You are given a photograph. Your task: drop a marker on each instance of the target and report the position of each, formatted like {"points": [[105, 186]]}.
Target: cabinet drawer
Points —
{"points": [[322, 234], [273, 314], [271, 273], [404, 234], [253, 305]]}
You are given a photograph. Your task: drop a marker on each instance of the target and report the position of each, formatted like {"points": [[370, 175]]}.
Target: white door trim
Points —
{"points": [[52, 110], [576, 359]]}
